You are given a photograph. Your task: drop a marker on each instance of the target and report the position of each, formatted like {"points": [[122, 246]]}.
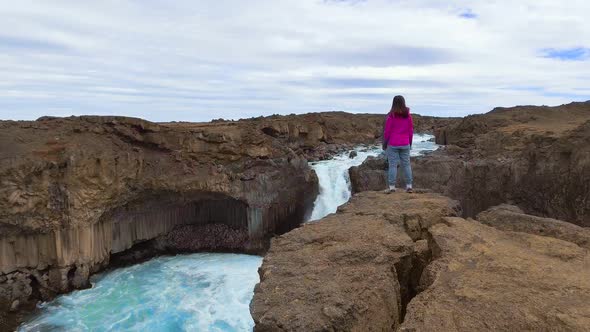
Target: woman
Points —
{"points": [[397, 142]]}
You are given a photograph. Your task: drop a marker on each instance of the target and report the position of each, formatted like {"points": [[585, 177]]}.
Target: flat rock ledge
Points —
{"points": [[408, 262]]}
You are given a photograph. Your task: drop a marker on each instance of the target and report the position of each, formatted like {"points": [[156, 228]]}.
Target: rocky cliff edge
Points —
{"points": [[407, 262]]}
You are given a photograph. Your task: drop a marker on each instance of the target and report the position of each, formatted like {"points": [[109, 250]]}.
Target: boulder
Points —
{"points": [[371, 175]]}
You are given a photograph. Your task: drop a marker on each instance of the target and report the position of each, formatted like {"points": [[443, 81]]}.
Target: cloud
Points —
{"points": [[348, 2], [363, 83], [195, 61], [384, 56]]}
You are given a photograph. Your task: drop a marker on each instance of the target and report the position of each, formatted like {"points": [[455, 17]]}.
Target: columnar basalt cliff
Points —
{"points": [[75, 191], [539, 156], [407, 262], [535, 157]]}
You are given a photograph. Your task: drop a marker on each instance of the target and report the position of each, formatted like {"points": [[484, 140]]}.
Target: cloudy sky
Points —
{"points": [[197, 60]]}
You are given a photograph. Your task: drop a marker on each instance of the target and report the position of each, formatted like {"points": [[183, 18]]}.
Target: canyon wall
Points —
{"points": [[535, 157], [76, 191]]}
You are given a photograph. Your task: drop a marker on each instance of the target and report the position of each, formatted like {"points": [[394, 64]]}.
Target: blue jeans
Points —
{"points": [[395, 156]]}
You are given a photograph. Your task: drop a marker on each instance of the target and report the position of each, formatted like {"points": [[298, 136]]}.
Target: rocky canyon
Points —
{"points": [[79, 193], [505, 248], [495, 238]]}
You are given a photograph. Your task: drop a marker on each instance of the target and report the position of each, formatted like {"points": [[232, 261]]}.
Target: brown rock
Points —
{"points": [[349, 272], [512, 218], [370, 176], [76, 191], [484, 279], [215, 237], [14, 305], [359, 270], [322, 135], [535, 157]]}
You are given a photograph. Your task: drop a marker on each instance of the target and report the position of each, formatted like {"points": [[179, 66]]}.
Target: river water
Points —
{"points": [[197, 292]]}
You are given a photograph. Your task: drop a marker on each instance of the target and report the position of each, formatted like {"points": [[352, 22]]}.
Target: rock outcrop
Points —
{"points": [[535, 157], [512, 219], [403, 262], [484, 279], [352, 270]]}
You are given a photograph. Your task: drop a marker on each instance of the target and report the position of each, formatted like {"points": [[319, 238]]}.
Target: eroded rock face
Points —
{"points": [[397, 262], [352, 270], [540, 157], [535, 157]]}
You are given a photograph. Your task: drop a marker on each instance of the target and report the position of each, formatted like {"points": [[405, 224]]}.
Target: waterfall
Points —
{"points": [[333, 176], [334, 181]]}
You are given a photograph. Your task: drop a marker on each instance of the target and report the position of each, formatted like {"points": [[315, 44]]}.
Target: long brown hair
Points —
{"points": [[398, 107]]}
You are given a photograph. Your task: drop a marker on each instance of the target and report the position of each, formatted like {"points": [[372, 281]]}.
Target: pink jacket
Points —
{"points": [[398, 131]]}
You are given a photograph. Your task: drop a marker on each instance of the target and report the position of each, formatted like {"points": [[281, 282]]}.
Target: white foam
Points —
{"points": [[199, 292], [334, 180]]}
